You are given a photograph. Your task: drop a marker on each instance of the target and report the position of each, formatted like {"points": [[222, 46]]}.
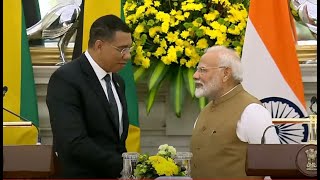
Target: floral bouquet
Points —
{"points": [[171, 35], [161, 164]]}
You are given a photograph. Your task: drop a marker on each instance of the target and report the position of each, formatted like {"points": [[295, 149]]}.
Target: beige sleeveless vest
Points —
{"points": [[217, 151]]}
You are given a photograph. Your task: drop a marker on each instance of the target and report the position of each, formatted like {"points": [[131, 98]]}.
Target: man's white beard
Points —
{"points": [[201, 92], [208, 90]]}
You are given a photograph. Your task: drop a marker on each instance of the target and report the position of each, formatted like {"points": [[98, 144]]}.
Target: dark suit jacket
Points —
{"points": [[85, 134]]}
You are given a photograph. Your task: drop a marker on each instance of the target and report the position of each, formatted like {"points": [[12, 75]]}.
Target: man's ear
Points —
{"points": [[98, 44], [227, 73]]}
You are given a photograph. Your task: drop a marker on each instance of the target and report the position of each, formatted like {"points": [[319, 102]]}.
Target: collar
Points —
{"points": [[235, 90], [97, 69]]}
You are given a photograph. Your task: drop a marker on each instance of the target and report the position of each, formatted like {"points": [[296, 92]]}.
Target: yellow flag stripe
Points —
{"points": [[12, 14], [14, 135], [92, 11], [133, 140]]}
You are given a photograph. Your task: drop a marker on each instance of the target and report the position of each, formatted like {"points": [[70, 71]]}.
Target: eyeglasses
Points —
{"points": [[203, 70], [124, 50]]}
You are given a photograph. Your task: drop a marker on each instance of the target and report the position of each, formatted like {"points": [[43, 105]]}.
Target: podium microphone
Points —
{"points": [[263, 139], [5, 90], [313, 101], [25, 119]]}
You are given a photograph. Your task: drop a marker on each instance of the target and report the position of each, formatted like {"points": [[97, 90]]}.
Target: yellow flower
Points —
{"points": [[147, 3], [163, 43], [178, 31], [183, 61], [139, 28], [212, 15], [172, 54], [153, 31], [140, 11], [156, 39], [136, 35], [191, 7], [172, 37], [166, 60], [159, 51], [186, 14], [173, 12], [185, 34], [151, 10], [164, 166], [238, 49], [223, 28], [221, 39], [164, 17], [179, 42], [145, 62], [195, 23], [202, 43], [215, 25], [234, 31], [165, 27], [156, 3], [179, 48], [211, 33], [188, 51]]}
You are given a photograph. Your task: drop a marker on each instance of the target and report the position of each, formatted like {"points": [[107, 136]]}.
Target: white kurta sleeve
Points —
{"points": [[254, 120]]}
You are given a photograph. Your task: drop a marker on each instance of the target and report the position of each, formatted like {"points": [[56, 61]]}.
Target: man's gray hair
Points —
{"points": [[228, 58]]}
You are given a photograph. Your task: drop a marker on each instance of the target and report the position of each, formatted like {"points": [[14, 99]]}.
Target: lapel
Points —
{"points": [[95, 84]]}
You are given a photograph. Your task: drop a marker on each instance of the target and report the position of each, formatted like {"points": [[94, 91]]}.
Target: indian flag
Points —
{"points": [[21, 97], [271, 67], [92, 10]]}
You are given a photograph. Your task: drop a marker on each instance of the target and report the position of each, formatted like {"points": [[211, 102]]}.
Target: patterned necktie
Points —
{"points": [[113, 103]]}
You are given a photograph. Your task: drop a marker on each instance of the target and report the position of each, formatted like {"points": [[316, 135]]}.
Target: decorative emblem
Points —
{"points": [[312, 159], [60, 22], [306, 160]]}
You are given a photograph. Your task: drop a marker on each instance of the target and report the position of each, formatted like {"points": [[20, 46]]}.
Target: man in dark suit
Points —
{"points": [[87, 104]]}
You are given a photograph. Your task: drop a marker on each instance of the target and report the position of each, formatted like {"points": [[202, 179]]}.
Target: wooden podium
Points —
{"points": [[28, 161], [294, 161]]}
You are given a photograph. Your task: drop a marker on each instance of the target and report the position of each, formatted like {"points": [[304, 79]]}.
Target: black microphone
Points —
{"points": [[313, 101], [263, 139], [5, 89]]}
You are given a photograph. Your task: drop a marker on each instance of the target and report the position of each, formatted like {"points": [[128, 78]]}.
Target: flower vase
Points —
{"points": [[183, 159], [129, 163]]}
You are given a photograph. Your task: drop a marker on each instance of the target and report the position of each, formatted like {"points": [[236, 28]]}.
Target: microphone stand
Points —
{"points": [[16, 115], [5, 90], [263, 139], [39, 138]]}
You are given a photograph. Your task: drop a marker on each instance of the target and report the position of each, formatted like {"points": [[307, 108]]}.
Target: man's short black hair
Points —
{"points": [[105, 27]]}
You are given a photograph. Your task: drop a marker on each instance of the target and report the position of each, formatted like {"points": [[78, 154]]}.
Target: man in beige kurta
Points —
{"points": [[230, 121]]}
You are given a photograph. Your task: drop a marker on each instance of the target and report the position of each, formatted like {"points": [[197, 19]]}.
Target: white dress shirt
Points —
{"points": [[101, 74]]}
